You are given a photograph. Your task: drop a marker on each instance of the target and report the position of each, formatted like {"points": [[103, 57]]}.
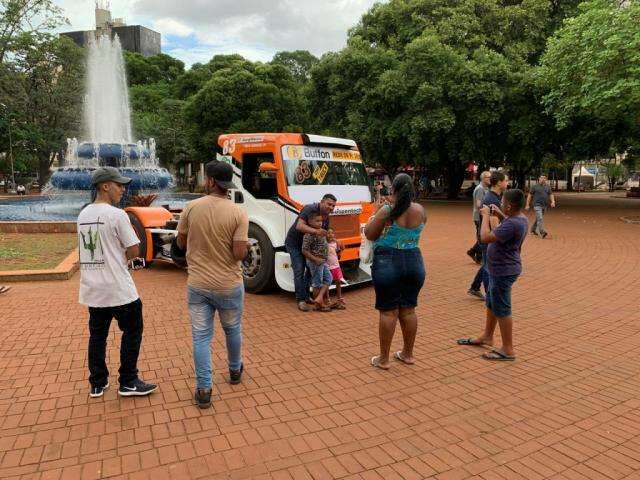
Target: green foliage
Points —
{"points": [[243, 97], [42, 89], [614, 171], [143, 70], [529, 85], [591, 77], [20, 20], [299, 63]]}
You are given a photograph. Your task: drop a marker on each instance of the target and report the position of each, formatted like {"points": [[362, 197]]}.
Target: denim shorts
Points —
{"points": [[398, 276], [498, 297], [320, 274]]}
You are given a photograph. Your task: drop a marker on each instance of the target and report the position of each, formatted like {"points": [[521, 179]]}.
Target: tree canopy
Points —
{"points": [[439, 83], [590, 75]]}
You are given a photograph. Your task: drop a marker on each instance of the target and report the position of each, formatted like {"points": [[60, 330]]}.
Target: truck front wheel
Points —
{"points": [[258, 268], [142, 236]]}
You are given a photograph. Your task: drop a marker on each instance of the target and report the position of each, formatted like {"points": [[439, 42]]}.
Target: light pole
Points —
{"points": [[13, 175]]}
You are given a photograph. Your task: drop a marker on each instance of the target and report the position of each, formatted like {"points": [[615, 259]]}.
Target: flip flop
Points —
{"points": [[375, 362], [4, 289], [470, 342], [322, 308], [338, 305], [398, 356], [498, 356]]}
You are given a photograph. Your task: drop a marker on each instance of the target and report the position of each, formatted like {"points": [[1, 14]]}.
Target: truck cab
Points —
{"points": [[276, 175]]}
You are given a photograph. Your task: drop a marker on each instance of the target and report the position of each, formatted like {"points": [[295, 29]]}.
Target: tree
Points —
{"points": [[143, 70], [244, 97], [165, 122], [442, 83], [25, 18], [42, 87], [592, 79], [614, 172], [299, 63], [191, 81]]}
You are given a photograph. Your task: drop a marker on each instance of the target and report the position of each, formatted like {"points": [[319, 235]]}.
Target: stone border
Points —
{"points": [[37, 227], [64, 271]]}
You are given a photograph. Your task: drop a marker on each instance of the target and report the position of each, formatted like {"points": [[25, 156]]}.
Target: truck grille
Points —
{"points": [[345, 226]]}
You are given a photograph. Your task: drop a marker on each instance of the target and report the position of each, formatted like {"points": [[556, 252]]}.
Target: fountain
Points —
{"points": [[107, 121], [107, 128]]}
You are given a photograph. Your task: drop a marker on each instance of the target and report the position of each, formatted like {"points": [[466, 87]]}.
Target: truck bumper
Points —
{"points": [[354, 273]]}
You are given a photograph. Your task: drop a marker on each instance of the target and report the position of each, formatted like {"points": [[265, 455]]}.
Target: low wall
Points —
{"points": [[37, 227], [64, 271]]}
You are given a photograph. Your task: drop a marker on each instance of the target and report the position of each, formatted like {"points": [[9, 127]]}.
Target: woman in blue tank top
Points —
{"points": [[398, 270]]}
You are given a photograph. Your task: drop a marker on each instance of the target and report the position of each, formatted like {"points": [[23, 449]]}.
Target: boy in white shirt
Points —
{"points": [[107, 242]]}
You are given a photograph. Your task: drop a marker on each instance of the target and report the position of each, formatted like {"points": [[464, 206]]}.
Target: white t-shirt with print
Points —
{"points": [[104, 234]]}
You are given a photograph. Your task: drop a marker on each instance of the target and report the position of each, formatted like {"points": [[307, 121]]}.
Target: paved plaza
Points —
{"points": [[311, 407]]}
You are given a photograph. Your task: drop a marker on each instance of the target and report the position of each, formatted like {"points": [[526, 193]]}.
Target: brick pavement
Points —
{"points": [[310, 407]]}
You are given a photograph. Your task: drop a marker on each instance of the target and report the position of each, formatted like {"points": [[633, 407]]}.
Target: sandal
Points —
{"points": [[322, 308], [472, 342], [375, 362], [498, 356], [339, 305], [398, 356]]}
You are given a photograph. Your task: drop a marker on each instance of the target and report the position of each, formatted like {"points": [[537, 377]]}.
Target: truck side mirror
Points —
{"points": [[267, 167]]}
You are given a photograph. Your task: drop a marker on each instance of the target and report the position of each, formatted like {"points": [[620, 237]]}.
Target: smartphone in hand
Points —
{"points": [[137, 263]]}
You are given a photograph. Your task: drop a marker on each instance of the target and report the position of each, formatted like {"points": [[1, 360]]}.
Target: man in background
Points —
{"points": [[475, 252], [498, 183], [542, 199]]}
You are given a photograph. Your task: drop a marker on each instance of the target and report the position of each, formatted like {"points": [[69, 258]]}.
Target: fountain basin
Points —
{"points": [[110, 153], [63, 208], [79, 178]]}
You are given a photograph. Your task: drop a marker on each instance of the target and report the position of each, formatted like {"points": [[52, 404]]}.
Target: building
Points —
{"points": [[134, 38]]}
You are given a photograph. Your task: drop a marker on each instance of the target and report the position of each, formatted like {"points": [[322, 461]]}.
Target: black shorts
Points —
{"points": [[398, 276]]}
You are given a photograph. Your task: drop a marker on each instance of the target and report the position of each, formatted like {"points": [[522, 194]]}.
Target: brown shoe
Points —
{"points": [[303, 307], [203, 397]]}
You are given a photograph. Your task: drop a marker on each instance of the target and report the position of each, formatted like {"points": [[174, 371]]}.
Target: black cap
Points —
{"points": [[222, 173], [108, 174]]}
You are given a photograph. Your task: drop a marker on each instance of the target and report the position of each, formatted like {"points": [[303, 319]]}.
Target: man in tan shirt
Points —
{"points": [[214, 231]]}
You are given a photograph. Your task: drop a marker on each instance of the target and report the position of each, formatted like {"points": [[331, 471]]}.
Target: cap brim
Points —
{"points": [[122, 180]]}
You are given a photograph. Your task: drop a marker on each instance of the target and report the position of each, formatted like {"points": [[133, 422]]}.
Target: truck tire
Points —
{"points": [[258, 268], [142, 235]]}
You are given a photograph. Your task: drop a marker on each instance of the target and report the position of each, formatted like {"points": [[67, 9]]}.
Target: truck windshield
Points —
{"points": [[322, 172]]}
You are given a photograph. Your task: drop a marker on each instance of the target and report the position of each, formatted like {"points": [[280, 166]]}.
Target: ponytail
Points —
{"points": [[404, 192]]}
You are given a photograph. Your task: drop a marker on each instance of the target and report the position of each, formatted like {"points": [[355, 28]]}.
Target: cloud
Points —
{"points": [[256, 29], [169, 26], [274, 25]]}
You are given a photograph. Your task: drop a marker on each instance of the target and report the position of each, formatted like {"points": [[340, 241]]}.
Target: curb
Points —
{"points": [[37, 227], [64, 271]]}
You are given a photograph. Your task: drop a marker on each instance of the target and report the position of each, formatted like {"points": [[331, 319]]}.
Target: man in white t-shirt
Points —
{"points": [[107, 242]]}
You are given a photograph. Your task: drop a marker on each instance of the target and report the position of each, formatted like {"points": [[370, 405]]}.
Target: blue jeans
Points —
{"points": [[320, 274], [482, 276], [202, 307], [538, 226], [301, 275]]}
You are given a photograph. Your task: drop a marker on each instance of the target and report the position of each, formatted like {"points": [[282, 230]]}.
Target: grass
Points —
{"points": [[34, 251]]}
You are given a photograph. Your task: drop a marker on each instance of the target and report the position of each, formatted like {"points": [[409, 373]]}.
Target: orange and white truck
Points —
{"points": [[276, 174]]}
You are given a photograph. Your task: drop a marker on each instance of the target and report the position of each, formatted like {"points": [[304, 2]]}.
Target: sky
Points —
{"points": [[196, 30]]}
